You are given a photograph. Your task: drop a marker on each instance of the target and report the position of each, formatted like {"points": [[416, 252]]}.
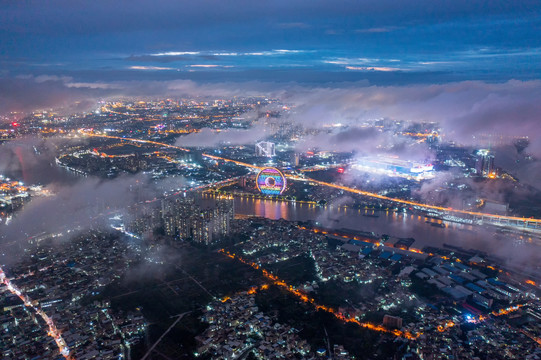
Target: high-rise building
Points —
{"points": [[142, 219], [295, 159], [242, 181], [211, 223], [484, 165], [433, 138], [265, 148], [175, 211], [187, 218]]}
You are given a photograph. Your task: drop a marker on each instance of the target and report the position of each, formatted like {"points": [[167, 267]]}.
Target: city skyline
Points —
{"points": [[258, 180]]}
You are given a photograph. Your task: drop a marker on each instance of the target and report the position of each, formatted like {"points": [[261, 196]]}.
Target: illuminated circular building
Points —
{"points": [[271, 181]]}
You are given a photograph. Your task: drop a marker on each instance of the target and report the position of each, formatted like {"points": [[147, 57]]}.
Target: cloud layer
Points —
{"points": [[465, 110]]}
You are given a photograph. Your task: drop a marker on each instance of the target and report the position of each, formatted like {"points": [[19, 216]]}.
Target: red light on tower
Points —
{"points": [[15, 124], [340, 170]]}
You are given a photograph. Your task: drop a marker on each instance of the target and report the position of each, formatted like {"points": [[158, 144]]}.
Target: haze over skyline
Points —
{"points": [[473, 64], [349, 179]]}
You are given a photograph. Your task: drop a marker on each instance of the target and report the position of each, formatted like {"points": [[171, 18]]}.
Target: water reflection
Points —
{"points": [[396, 225]]}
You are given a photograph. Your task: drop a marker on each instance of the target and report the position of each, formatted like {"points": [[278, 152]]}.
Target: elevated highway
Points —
{"points": [[531, 223]]}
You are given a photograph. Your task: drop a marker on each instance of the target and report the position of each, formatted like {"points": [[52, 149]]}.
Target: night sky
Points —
{"points": [[383, 42]]}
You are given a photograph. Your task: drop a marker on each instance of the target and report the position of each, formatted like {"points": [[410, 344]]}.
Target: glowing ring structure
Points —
{"points": [[271, 181]]}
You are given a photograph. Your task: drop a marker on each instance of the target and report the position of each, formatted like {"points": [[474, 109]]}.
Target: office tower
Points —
{"points": [[265, 148], [484, 165]]}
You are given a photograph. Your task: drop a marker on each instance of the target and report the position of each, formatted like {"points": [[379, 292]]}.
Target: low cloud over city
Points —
{"points": [[287, 179]]}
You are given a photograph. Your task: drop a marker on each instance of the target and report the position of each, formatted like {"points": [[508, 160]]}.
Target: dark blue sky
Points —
{"points": [[384, 42]]}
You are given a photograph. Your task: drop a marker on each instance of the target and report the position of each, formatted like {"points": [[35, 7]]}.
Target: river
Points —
{"points": [[517, 248]]}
